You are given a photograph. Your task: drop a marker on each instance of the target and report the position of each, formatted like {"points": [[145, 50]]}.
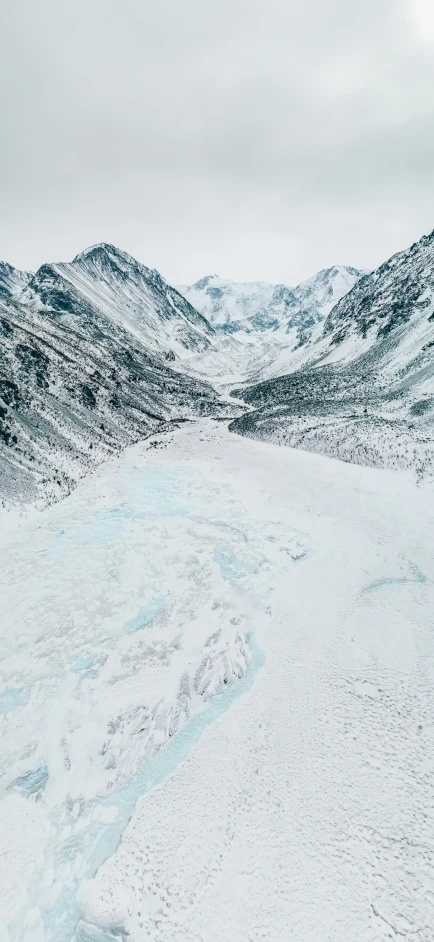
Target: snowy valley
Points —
{"points": [[217, 664]]}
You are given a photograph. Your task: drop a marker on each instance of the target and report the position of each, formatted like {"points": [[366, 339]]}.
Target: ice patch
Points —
{"points": [[32, 781], [146, 614], [102, 527], [12, 699], [112, 711], [418, 578], [87, 933], [145, 491], [158, 491], [83, 663], [235, 566], [84, 851]]}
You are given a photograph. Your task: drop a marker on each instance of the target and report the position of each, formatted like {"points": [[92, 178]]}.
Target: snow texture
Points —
{"points": [[220, 699], [306, 811], [144, 591], [258, 306]]}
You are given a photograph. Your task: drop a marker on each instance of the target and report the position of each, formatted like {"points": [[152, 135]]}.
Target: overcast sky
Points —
{"points": [[258, 139]]}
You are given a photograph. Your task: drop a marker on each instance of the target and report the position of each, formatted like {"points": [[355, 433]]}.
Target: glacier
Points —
{"points": [[216, 709], [144, 592], [306, 808]]}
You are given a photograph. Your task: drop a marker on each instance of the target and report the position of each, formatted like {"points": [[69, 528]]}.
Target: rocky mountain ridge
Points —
{"points": [[260, 307], [86, 367], [364, 389], [99, 352]]}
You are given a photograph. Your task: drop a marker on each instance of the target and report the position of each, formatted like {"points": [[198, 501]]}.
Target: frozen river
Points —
{"points": [[217, 675], [131, 623]]}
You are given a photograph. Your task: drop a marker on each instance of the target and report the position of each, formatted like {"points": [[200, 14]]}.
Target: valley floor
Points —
{"points": [[218, 700]]}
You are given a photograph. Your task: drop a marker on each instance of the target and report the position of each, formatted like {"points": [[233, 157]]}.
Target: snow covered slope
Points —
{"points": [[226, 303], [86, 367], [132, 296], [259, 306], [364, 390], [216, 704], [12, 281]]}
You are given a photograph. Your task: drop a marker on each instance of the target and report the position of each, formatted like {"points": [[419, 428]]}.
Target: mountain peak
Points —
{"points": [[104, 259], [12, 280], [206, 281], [102, 250], [260, 306]]}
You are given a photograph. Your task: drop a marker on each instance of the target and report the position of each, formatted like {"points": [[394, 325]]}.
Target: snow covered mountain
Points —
{"points": [[364, 390], [228, 304], [259, 306], [85, 366], [205, 577], [12, 281], [99, 352], [132, 296]]}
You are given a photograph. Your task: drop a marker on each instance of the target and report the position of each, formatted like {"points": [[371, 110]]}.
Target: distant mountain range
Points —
{"points": [[99, 352], [258, 306], [363, 390]]}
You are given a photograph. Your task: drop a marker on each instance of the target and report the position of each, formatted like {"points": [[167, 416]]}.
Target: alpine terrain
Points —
{"points": [[257, 306], [363, 390], [216, 651], [89, 357]]}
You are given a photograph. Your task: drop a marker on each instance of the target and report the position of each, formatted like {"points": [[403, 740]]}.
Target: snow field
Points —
{"points": [[145, 592], [305, 812]]}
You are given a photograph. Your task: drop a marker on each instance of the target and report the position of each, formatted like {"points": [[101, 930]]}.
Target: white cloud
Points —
{"points": [[423, 13]]}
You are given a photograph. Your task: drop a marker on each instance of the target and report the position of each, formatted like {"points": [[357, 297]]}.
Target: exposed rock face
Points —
{"points": [[84, 366], [258, 306], [365, 391]]}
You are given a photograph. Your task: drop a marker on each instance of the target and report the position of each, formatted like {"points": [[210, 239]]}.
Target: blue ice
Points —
{"points": [[148, 491], [234, 566], [84, 662], [12, 698], [146, 614], [33, 780], [88, 933], [417, 578], [102, 527], [98, 842], [159, 491]]}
